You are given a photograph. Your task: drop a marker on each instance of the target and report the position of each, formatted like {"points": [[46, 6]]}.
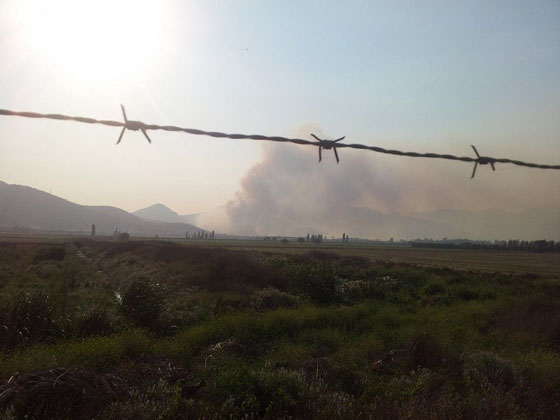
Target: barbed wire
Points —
{"points": [[320, 143]]}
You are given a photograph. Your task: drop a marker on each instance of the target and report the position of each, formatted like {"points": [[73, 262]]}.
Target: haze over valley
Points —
{"points": [[27, 207]]}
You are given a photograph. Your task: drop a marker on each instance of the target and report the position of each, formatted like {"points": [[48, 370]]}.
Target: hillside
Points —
{"points": [[28, 207]]}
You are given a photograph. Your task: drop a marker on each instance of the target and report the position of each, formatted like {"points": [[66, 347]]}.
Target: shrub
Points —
{"points": [[465, 293], [316, 280], [28, 317], [98, 320], [425, 352], [54, 253], [58, 393], [484, 368], [327, 404], [266, 393], [460, 292], [142, 303], [158, 401], [177, 315], [271, 298], [434, 288], [378, 288]]}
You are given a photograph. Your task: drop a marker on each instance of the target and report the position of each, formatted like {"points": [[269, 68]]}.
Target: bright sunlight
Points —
{"points": [[96, 40]]}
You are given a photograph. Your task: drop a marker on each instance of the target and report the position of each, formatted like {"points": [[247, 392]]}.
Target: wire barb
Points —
{"points": [[327, 145], [482, 160], [133, 126]]}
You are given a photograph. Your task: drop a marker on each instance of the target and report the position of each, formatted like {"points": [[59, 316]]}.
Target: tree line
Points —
{"points": [[510, 245]]}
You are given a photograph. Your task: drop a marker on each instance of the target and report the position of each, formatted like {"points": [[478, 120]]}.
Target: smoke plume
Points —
{"points": [[369, 195]]}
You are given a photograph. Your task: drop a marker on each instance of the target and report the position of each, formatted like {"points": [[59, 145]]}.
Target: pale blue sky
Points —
{"points": [[421, 75]]}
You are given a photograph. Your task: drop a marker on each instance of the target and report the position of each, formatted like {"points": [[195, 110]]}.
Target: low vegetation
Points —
{"points": [[142, 330]]}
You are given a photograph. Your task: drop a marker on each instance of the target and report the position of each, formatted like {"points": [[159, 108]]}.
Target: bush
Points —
{"points": [[465, 293], [178, 315], [98, 320], [461, 293], [327, 404], [424, 352], [28, 317], [264, 393], [271, 298], [54, 253], [316, 280], [158, 401], [378, 288], [434, 288], [484, 368], [142, 303]]}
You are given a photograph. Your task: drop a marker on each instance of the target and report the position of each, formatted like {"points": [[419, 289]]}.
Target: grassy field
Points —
{"points": [[246, 329], [514, 262], [518, 262]]}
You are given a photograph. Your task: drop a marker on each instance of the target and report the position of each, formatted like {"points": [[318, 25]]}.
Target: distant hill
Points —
{"points": [[216, 219], [160, 213], [28, 207]]}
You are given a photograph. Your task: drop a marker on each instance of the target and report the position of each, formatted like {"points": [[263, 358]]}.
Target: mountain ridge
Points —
{"points": [[32, 208]]}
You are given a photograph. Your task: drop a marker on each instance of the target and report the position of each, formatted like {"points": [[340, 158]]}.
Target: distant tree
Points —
{"points": [[308, 237], [317, 239], [92, 230], [123, 236], [344, 237], [212, 234]]}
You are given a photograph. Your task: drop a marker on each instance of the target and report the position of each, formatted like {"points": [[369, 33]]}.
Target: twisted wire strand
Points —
{"points": [[138, 125]]}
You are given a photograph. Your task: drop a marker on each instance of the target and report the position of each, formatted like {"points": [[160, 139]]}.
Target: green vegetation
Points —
{"points": [[142, 330]]}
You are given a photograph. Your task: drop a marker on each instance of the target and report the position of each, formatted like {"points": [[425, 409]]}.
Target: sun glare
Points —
{"points": [[96, 40]]}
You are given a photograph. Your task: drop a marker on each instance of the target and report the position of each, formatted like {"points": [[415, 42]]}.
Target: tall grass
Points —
{"points": [[278, 336]]}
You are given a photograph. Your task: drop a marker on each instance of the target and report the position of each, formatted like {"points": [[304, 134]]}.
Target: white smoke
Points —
{"points": [[289, 193]]}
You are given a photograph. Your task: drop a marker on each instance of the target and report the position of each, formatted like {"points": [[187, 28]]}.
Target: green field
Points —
{"points": [[251, 329]]}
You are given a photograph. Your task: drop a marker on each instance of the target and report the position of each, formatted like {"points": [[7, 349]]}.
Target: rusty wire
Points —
{"points": [[320, 143]]}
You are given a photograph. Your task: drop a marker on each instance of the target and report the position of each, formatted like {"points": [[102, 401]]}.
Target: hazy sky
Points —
{"points": [[416, 75]]}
